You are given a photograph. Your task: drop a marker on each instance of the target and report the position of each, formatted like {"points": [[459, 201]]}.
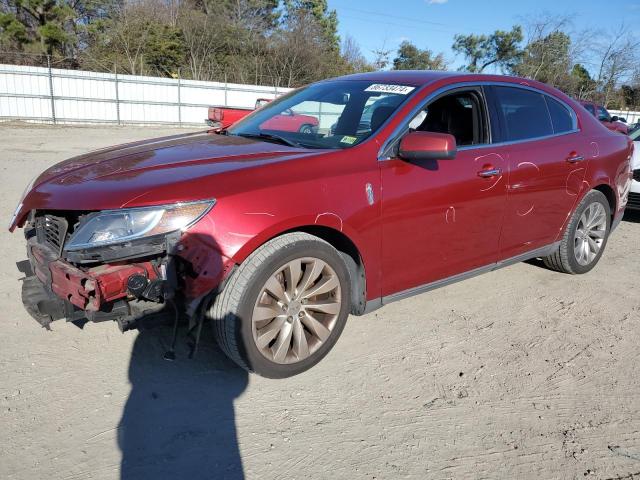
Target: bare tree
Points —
{"points": [[382, 56], [616, 60], [547, 54], [352, 55], [131, 32], [204, 41]]}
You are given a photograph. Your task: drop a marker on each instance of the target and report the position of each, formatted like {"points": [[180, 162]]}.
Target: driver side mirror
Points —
{"points": [[416, 146]]}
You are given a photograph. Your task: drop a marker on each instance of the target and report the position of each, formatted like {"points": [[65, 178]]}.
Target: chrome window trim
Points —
{"points": [[403, 127], [514, 142]]}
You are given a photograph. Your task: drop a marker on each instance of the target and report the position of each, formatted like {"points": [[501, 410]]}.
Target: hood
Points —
{"points": [[157, 171]]}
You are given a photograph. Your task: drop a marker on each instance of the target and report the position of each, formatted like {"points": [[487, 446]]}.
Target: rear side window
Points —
{"points": [[590, 109], [561, 118], [525, 113]]}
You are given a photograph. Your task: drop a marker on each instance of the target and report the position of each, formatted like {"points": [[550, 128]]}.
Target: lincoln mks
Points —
{"points": [[410, 181]]}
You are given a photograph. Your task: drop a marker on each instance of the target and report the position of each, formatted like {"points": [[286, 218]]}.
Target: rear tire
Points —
{"points": [[585, 237], [303, 283], [306, 129]]}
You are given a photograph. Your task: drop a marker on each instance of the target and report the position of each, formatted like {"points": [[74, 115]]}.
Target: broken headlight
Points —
{"points": [[117, 226]]}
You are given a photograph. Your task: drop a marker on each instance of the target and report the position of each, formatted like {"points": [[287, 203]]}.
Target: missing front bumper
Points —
{"points": [[45, 307]]}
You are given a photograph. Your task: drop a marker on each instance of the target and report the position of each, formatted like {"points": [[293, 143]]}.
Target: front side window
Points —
{"points": [[334, 114], [459, 114], [525, 113]]}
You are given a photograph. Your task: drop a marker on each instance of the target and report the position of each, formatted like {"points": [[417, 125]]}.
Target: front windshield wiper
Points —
{"points": [[269, 137]]}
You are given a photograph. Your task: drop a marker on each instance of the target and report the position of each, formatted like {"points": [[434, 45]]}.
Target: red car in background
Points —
{"points": [[276, 236], [601, 113], [223, 117]]}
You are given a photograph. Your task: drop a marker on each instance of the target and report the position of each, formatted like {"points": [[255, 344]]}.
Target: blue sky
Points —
{"points": [[433, 23]]}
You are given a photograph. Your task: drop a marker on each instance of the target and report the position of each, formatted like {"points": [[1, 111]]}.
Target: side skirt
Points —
{"points": [[538, 252]]}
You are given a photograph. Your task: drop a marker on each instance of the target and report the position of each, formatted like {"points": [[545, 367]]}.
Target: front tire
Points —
{"points": [[584, 238], [284, 308]]}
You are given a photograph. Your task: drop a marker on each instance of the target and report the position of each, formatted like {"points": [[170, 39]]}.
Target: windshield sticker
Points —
{"points": [[387, 88], [348, 140]]}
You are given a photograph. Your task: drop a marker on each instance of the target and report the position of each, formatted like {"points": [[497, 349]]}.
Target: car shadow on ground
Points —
{"points": [[178, 421]]}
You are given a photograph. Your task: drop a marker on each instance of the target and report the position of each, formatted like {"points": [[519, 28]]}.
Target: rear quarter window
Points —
{"points": [[525, 113], [561, 117]]}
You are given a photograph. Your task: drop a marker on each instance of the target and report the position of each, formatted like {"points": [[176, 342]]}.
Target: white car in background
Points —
{"points": [[634, 193]]}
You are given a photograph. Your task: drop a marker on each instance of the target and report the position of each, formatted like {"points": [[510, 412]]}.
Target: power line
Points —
{"points": [[387, 15], [411, 27]]}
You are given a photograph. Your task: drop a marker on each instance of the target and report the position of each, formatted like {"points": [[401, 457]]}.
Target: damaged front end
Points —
{"points": [[133, 266]]}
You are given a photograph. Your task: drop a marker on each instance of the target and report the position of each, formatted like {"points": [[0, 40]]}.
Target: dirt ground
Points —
{"points": [[522, 373]]}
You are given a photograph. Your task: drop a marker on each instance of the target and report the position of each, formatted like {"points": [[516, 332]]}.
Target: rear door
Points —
{"points": [[547, 163]]}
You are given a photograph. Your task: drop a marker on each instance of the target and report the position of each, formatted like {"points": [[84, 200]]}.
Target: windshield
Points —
{"points": [[334, 114]]}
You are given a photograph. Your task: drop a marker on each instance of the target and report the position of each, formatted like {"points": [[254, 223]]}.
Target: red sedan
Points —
{"points": [[275, 237], [221, 118], [602, 114]]}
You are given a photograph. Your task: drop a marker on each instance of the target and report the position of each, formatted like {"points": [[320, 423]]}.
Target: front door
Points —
{"points": [[443, 217]]}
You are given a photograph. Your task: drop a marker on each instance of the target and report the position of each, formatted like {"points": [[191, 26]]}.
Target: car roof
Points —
{"points": [[408, 77], [420, 78]]}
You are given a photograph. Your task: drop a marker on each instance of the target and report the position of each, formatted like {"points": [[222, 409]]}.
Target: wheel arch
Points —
{"points": [[352, 258], [342, 242], [608, 192], [603, 186]]}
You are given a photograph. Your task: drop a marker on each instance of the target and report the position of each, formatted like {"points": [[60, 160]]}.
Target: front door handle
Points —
{"points": [[493, 172], [575, 158]]}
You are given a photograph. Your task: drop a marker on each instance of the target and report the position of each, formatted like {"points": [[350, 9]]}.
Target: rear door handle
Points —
{"points": [[493, 172], [575, 158]]}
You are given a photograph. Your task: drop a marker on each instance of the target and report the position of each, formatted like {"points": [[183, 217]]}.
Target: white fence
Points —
{"points": [[629, 115], [40, 94], [49, 95]]}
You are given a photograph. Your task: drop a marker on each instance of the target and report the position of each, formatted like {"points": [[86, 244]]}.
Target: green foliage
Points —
{"points": [[583, 85], [13, 33], [411, 57], [164, 49], [48, 26], [501, 49]]}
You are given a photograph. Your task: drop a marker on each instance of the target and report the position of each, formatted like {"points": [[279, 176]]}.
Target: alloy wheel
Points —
{"points": [[296, 310], [590, 233]]}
